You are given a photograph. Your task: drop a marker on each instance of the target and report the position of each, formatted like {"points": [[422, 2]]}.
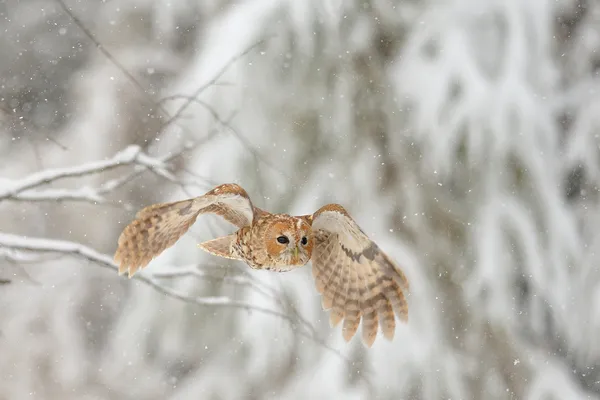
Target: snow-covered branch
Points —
{"points": [[22, 189], [29, 244], [39, 245], [26, 189], [10, 244]]}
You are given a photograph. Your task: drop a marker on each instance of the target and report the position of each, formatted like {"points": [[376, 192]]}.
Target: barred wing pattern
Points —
{"points": [[355, 278], [159, 226]]}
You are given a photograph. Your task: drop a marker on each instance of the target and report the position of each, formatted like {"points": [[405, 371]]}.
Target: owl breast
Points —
{"points": [[244, 249]]}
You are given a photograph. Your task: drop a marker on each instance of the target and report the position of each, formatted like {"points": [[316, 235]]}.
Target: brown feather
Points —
{"points": [[220, 247], [321, 266], [339, 292], [159, 226], [232, 203], [357, 280], [387, 321], [353, 306], [370, 302], [235, 217], [396, 298], [392, 298], [155, 228], [393, 288], [333, 278]]}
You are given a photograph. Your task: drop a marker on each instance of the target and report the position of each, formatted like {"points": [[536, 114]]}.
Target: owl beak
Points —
{"points": [[296, 252]]}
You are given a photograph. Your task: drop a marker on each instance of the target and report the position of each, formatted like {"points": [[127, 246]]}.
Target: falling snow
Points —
{"points": [[461, 134]]}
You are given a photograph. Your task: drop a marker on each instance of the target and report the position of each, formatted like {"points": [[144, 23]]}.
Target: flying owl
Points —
{"points": [[354, 276]]}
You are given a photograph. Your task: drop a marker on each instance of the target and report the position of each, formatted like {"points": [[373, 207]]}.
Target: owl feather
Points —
{"points": [[159, 226], [358, 282]]}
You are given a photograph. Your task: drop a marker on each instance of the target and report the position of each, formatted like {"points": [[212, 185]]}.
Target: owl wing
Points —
{"points": [[159, 226], [355, 277]]}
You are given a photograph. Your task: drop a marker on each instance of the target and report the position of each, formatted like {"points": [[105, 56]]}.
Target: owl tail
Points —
{"points": [[220, 247], [155, 228]]}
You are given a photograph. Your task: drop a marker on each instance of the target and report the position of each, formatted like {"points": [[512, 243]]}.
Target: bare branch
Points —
{"points": [[140, 87], [193, 270], [190, 99], [110, 57], [213, 81], [245, 142]]}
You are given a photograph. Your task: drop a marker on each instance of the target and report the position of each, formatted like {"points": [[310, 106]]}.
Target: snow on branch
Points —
{"points": [[14, 243], [23, 189], [39, 245], [10, 242]]}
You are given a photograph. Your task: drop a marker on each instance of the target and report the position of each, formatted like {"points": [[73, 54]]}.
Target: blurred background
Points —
{"points": [[462, 135]]}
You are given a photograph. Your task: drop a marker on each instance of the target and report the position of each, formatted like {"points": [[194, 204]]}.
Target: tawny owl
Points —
{"points": [[354, 276]]}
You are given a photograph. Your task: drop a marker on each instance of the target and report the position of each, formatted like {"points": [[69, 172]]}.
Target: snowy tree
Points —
{"points": [[461, 135]]}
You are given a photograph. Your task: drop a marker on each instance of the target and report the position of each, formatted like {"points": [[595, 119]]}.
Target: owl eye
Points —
{"points": [[304, 241], [283, 239]]}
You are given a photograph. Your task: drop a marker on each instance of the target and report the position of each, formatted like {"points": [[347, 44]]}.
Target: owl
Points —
{"points": [[355, 278]]}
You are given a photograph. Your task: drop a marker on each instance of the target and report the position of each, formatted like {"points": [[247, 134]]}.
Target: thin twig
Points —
{"points": [[212, 81], [110, 57], [245, 142], [193, 270], [189, 99], [30, 125], [139, 86]]}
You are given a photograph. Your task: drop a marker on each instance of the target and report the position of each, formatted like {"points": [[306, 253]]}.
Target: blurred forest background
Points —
{"points": [[462, 135]]}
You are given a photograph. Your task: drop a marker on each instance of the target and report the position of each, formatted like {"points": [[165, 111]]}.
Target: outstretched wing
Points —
{"points": [[159, 226], [355, 277]]}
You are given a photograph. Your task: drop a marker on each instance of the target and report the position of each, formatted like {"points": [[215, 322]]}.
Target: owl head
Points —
{"points": [[289, 241]]}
